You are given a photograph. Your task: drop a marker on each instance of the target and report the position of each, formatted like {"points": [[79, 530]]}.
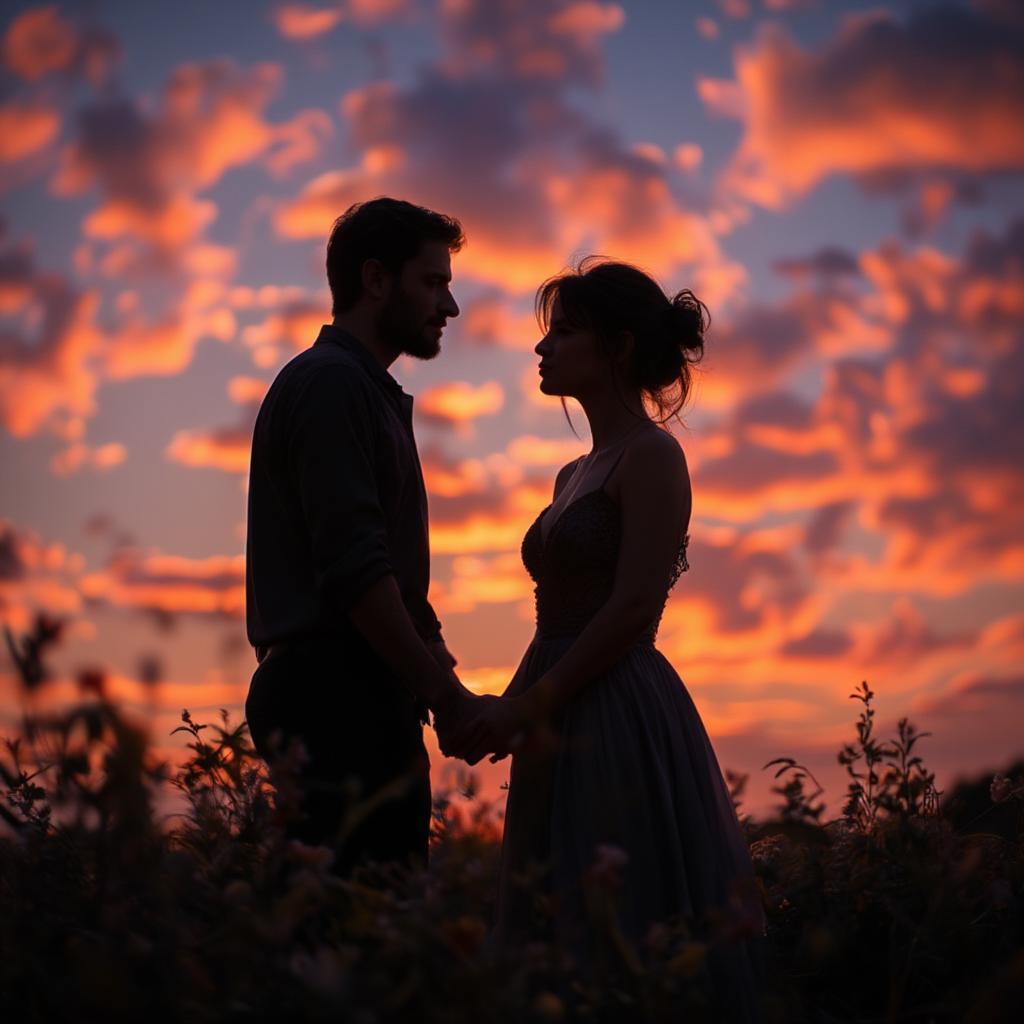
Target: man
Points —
{"points": [[337, 561]]}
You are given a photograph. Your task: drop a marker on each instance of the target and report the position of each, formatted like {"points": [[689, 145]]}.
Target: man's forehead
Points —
{"points": [[434, 257]]}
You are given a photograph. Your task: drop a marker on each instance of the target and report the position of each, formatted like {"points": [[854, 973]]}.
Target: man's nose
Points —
{"points": [[450, 307]]}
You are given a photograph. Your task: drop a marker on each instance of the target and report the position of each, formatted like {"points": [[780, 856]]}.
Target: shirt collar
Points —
{"points": [[349, 342]]}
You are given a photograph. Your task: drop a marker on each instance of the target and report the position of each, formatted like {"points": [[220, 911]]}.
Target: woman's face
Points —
{"points": [[571, 363]]}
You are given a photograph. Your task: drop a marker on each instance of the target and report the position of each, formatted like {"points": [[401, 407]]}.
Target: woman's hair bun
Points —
{"points": [[688, 318], [614, 299]]}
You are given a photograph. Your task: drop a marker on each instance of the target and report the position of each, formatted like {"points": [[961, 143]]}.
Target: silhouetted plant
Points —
{"points": [[799, 807], [887, 913]]}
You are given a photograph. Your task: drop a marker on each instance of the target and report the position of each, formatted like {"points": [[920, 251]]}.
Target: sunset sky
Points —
{"points": [[841, 183]]}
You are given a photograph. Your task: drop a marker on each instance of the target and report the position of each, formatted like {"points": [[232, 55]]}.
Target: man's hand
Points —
{"points": [[452, 715], [498, 727]]}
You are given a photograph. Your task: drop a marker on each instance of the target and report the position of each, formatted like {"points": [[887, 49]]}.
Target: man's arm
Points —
{"points": [[380, 615]]}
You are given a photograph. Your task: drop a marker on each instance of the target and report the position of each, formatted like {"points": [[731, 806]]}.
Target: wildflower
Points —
{"points": [[1001, 788]]}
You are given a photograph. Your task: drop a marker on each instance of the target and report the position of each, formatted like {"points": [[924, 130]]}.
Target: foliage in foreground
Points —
{"points": [[902, 909]]}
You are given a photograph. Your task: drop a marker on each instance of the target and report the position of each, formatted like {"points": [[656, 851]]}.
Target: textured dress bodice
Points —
{"points": [[574, 568]]}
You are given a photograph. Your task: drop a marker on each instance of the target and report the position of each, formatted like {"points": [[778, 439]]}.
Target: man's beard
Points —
{"points": [[398, 328]]}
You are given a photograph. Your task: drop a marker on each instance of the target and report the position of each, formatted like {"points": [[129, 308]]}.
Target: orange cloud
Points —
{"points": [[167, 583], [856, 106], [141, 347], [149, 165], [170, 226], [707, 27], [247, 390], [587, 20], [39, 42], [471, 139], [25, 129], [632, 207], [540, 451], [36, 577], [735, 8], [475, 580], [688, 156], [492, 320], [226, 449], [458, 401], [48, 347], [486, 522], [300, 21], [101, 457], [453, 480], [296, 325]]}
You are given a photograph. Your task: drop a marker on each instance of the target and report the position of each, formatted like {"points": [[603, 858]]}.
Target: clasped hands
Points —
{"points": [[470, 726]]}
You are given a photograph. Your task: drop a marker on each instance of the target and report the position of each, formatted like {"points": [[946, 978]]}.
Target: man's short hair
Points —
{"points": [[390, 230]]}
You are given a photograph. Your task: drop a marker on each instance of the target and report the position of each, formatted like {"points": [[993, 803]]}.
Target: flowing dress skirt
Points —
{"points": [[631, 767]]}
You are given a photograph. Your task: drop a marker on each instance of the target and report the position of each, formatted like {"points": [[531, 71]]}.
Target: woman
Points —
{"points": [[614, 785]]}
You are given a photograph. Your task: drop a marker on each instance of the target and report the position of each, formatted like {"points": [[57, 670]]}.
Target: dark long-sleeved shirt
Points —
{"points": [[336, 499]]}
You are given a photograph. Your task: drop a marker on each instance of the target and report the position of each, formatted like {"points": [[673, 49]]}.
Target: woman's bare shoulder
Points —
{"points": [[656, 451]]}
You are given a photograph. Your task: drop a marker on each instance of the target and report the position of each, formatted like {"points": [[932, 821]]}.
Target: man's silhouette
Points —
{"points": [[337, 561]]}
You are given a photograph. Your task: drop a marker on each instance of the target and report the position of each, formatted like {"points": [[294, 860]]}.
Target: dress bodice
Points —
{"points": [[573, 569]]}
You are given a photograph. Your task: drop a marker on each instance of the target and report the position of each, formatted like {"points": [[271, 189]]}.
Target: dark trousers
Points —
{"points": [[365, 790]]}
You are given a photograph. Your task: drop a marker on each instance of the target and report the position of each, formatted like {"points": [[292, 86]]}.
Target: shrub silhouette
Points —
{"points": [[896, 911]]}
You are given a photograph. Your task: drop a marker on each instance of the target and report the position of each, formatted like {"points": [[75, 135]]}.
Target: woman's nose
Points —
{"points": [[540, 348]]}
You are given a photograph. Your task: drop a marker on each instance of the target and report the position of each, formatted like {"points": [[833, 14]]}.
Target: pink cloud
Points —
{"points": [[489, 134], [226, 449], [455, 402], [150, 166], [39, 42], [25, 129], [167, 583], [938, 91], [587, 20], [140, 347], [36, 576], [99, 457], [301, 21], [48, 344]]}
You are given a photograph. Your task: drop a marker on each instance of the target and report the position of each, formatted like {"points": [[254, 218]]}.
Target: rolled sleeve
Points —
{"points": [[330, 453], [427, 623]]}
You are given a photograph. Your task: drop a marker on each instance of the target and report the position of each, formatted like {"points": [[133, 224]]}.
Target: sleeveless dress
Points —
{"points": [[632, 768]]}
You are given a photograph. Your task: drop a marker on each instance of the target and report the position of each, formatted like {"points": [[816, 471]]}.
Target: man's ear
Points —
{"points": [[376, 279]]}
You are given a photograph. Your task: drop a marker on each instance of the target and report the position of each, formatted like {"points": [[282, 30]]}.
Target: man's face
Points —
{"points": [[413, 319]]}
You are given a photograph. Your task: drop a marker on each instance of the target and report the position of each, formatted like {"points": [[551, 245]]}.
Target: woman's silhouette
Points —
{"points": [[615, 789]]}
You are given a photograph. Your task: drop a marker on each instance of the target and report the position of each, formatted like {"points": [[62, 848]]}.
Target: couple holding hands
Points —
{"points": [[610, 761]]}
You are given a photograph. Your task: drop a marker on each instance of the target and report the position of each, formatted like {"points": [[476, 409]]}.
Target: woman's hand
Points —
{"points": [[499, 728]]}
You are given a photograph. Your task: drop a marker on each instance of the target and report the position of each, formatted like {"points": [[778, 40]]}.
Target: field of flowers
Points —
{"points": [[908, 908]]}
